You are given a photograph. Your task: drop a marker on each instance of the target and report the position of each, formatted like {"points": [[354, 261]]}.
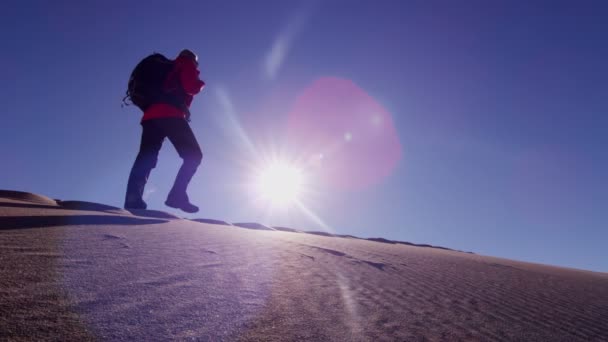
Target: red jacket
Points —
{"points": [[186, 73]]}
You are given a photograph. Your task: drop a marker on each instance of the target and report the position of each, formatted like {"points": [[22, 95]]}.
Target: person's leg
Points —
{"points": [[181, 136], [151, 141]]}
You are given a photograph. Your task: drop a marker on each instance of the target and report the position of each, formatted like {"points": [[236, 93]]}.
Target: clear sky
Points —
{"points": [[475, 125]]}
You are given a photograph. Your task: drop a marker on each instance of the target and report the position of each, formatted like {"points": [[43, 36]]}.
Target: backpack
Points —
{"points": [[147, 81]]}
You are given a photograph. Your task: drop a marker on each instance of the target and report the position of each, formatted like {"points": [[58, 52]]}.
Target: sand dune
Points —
{"points": [[90, 272]]}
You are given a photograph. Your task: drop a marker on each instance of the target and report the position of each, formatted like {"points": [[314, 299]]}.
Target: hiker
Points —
{"points": [[166, 115]]}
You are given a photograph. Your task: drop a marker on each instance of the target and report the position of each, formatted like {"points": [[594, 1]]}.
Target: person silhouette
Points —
{"points": [[165, 118]]}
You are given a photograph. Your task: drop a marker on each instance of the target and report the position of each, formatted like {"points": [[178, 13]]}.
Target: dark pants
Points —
{"points": [[154, 133]]}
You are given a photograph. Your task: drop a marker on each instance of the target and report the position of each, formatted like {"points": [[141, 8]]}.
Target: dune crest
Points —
{"points": [[90, 272]]}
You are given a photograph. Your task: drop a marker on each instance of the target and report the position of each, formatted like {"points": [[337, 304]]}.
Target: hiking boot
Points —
{"points": [[181, 202], [136, 204]]}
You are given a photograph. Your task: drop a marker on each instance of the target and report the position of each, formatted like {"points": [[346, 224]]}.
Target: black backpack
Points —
{"points": [[146, 83]]}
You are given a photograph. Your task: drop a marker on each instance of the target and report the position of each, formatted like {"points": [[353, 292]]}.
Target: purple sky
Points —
{"points": [[475, 125]]}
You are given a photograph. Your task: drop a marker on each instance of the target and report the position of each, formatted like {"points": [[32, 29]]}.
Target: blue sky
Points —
{"points": [[498, 112]]}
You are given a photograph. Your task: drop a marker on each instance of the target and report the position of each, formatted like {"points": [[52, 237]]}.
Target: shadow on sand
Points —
{"points": [[212, 221], [252, 225], [25, 222], [32, 206]]}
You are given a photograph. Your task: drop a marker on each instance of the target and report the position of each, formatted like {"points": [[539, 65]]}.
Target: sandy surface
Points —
{"points": [[91, 272]]}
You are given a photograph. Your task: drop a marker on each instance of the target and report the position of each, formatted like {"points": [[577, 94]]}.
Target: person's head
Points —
{"points": [[189, 54]]}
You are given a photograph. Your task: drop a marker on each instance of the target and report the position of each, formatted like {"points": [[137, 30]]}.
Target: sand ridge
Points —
{"points": [[87, 274]]}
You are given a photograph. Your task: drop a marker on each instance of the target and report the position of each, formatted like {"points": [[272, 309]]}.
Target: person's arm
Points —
{"points": [[189, 77]]}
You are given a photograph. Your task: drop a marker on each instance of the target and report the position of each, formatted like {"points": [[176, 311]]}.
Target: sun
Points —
{"points": [[279, 183]]}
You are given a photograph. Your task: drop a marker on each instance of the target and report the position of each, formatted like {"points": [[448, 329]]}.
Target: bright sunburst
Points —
{"points": [[279, 183]]}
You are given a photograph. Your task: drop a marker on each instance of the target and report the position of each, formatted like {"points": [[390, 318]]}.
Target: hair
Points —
{"points": [[189, 53]]}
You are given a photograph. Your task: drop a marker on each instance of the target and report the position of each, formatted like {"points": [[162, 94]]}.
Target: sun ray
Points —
{"points": [[314, 217], [232, 124]]}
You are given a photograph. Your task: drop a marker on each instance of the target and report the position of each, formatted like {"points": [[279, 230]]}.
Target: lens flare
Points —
{"points": [[353, 131]]}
